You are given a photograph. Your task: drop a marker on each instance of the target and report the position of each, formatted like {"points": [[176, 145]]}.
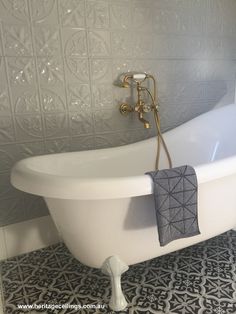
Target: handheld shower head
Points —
{"points": [[136, 77], [139, 76], [125, 85]]}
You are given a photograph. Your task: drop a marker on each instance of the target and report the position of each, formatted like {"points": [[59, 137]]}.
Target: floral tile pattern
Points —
{"points": [[198, 279]]}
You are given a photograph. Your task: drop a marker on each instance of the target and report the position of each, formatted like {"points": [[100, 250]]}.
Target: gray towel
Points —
{"points": [[175, 193]]}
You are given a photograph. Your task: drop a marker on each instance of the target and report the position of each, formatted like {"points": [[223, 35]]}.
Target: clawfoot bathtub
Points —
{"points": [[102, 203]]}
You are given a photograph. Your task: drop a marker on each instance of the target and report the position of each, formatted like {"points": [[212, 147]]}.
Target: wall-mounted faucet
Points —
{"points": [[140, 107]]}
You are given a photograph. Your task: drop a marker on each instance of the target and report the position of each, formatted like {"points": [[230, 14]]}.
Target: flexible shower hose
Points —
{"points": [[160, 139]]}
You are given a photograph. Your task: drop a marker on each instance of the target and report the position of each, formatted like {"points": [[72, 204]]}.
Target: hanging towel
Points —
{"points": [[175, 194]]}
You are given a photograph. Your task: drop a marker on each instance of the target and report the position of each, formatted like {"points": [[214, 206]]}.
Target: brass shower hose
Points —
{"points": [[160, 139]]}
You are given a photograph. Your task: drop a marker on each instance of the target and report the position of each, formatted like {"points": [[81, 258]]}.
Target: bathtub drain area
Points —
{"points": [[198, 279]]}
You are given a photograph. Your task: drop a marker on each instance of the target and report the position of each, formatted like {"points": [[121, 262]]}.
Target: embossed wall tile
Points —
{"points": [[83, 142], [50, 71], [109, 120], [197, 17], [28, 127], [17, 40], [229, 25], [215, 90], [167, 119], [99, 43], [142, 15], [102, 96], [174, 4], [78, 97], [121, 97], [77, 70], [120, 14], [6, 129], [1, 43], [178, 46], [52, 102], [184, 70], [57, 146], [217, 47], [47, 40], [226, 95], [43, 11], [182, 92], [26, 102], [5, 106], [221, 18], [97, 13], [6, 189], [17, 8], [12, 211], [81, 122], [106, 140], [3, 72], [122, 44], [214, 19], [8, 156], [56, 125], [166, 70], [21, 70], [170, 21], [26, 150], [75, 42], [144, 65], [182, 112], [121, 66], [232, 49], [76, 47], [121, 138], [143, 46], [103, 120], [101, 70], [214, 70], [35, 206], [72, 13]]}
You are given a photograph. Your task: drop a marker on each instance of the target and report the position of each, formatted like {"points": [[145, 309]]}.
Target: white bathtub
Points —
{"points": [[102, 202]]}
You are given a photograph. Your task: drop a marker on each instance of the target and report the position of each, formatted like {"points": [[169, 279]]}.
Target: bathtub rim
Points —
{"points": [[24, 178], [74, 188]]}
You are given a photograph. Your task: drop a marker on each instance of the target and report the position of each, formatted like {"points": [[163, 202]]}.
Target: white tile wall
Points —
{"points": [[27, 236], [3, 250]]}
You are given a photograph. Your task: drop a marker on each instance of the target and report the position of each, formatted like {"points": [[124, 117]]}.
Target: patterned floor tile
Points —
{"points": [[200, 279]]}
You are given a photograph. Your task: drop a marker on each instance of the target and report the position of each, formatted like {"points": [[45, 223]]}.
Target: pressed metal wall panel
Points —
{"points": [[59, 60]]}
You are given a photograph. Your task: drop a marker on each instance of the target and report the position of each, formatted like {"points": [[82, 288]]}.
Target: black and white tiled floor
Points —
{"points": [[197, 280]]}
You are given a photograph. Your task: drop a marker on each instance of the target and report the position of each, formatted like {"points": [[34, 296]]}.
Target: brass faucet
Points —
{"points": [[140, 107]]}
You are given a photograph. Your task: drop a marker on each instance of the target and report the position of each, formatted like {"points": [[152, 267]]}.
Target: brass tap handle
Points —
{"points": [[147, 108], [125, 109]]}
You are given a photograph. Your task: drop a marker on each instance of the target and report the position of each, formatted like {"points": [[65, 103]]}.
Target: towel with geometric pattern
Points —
{"points": [[175, 194]]}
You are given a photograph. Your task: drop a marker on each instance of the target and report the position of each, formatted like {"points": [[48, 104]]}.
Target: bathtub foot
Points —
{"points": [[114, 267]]}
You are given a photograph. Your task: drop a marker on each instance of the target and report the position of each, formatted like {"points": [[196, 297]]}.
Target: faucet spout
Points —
{"points": [[145, 122]]}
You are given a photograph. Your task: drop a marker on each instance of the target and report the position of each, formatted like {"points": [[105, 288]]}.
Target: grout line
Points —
{"points": [[4, 59], [64, 71], [5, 241], [37, 79], [87, 30]]}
